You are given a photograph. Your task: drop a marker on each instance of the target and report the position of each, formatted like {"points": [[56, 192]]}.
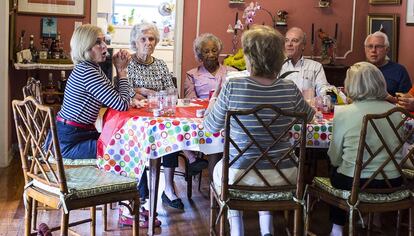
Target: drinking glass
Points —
{"points": [[172, 98], [152, 102]]}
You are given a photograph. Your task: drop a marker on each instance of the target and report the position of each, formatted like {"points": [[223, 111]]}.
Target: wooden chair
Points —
{"points": [[362, 198], [34, 88], [60, 188], [273, 198]]}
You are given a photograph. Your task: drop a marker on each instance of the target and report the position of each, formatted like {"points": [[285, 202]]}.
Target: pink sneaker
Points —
{"points": [[143, 219]]}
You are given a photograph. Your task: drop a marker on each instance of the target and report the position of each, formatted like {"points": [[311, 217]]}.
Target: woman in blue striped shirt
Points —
{"points": [[263, 49], [87, 90]]}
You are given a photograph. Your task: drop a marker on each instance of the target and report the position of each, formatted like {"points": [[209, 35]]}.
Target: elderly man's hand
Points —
{"points": [[405, 100]]}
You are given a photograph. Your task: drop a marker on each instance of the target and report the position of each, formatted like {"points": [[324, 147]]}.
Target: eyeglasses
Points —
{"points": [[375, 47], [100, 42]]}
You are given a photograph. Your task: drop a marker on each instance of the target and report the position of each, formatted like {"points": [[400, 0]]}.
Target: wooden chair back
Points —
{"points": [[32, 127], [380, 149], [270, 121]]}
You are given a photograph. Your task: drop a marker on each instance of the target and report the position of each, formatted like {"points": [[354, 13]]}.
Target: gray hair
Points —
{"points": [[201, 40], [140, 29], [301, 31], [82, 41], [365, 81], [263, 46], [378, 34]]}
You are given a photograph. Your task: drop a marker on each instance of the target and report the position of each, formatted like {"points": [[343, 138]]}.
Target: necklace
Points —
{"points": [[149, 60]]}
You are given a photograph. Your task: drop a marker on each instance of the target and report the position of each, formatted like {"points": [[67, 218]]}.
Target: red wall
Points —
{"points": [[216, 15]]}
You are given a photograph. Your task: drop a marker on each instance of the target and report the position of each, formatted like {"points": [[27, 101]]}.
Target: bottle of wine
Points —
{"points": [[33, 49], [50, 90]]}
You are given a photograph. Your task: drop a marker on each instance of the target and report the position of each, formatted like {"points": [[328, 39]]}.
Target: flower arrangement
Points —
{"points": [[328, 47]]}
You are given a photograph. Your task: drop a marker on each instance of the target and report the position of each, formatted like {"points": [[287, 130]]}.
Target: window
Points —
{"points": [[127, 12]]}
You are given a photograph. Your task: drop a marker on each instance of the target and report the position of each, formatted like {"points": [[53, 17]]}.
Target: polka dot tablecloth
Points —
{"points": [[318, 135], [141, 138]]}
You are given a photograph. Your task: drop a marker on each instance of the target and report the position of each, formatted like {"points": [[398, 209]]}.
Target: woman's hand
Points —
{"points": [[144, 92], [121, 60], [138, 103]]}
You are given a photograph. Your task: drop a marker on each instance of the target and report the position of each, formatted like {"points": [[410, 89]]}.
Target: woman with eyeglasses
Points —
{"points": [[86, 90]]}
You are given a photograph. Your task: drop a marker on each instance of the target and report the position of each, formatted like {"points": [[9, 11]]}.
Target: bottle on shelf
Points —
{"points": [[53, 51], [50, 90], [43, 50], [33, 49], [62, 84]]}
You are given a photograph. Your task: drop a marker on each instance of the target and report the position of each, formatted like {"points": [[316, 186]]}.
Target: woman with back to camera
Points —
{"points": [[203, 79], [263, 50], [86, 90], [366, 86]]}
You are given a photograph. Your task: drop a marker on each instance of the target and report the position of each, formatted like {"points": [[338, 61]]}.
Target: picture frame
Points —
{"points": [[387, 23], [382, 2], [410, 12], [52, 8], [49, 27]]}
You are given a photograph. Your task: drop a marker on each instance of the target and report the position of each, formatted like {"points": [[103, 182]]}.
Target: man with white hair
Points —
{"points": [[307, 73], [376, 49]]}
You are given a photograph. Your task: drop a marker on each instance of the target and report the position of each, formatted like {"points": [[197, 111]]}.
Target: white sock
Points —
{"points": [[336, 230], [236, 226], [266, 222]]}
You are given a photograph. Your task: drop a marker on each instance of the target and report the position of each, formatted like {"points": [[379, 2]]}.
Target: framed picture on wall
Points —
{"points": [[387, 23], [47, 7], [410, 12], [49, 27], [378, 2]]}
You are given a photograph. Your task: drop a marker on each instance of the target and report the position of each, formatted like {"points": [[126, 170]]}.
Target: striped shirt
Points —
{"points": [[87, 89], [245, 93]]}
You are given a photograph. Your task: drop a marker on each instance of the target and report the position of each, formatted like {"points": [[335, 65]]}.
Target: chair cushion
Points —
{"points": [[409, 173], [325, 184], [75, 162], [89, 181], [255, 196]]}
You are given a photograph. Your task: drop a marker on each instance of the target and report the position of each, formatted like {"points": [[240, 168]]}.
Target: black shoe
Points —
{"points": [[197, 166], [177, 203]]}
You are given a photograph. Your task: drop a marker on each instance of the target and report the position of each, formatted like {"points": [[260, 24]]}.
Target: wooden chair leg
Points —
{"points": [[223, 219], [105, 216], [411, 222], [135, 208], [93, 222], [64, 224], [298, 223], [34, 214], [399, 212], [28, 217], [213, 213]]}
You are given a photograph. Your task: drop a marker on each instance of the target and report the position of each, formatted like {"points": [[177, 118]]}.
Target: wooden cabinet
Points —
{"points": [[335, 74]]}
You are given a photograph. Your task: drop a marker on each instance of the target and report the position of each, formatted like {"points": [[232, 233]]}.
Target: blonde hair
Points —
{"points": [[82, 41], [140, 29], [365, 81], [263, 46]]}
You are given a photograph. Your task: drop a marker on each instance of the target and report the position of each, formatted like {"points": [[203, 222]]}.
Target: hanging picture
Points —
{"points": [[387, 23], [380, 2], [49, 27], [410, 12], [47, 7]]}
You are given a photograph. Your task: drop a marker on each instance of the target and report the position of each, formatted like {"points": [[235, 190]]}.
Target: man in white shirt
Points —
{"points": [[307, 73]]}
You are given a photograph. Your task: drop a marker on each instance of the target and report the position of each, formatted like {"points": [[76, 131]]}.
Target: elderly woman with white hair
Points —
{"points": [[366, 87], [148, 75], [86, 90]]}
